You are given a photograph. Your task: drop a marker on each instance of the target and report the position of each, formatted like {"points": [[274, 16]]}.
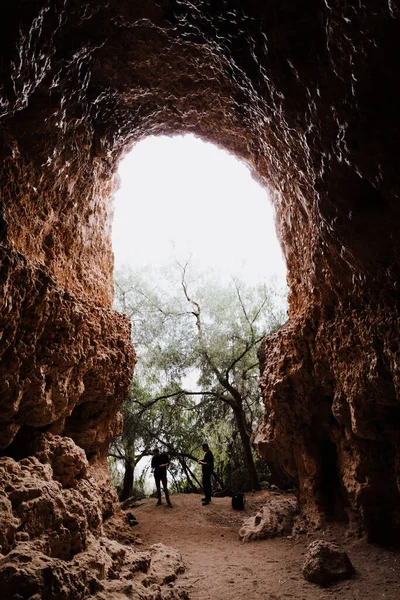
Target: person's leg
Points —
{"points": [[207, 487], [165, 487], [158, 486]]}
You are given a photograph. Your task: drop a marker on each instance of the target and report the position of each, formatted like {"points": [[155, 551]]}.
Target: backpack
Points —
{"points": [[131, 519], [238, 501]]}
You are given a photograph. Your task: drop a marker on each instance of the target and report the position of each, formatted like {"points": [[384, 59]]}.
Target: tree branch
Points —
{"points": [[178, 394], [236, 399], [244, 309], [116, 456], [243, 354]]}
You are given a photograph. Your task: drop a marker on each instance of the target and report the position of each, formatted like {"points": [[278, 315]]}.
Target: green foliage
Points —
{"points": [[116, 474], [196, 376], [139, 487]]}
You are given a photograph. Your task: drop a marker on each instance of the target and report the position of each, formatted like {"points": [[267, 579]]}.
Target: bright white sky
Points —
{"points": [[182, 197]]}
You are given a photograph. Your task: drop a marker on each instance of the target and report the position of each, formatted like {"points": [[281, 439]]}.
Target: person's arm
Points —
{"points": [[166, 461]]}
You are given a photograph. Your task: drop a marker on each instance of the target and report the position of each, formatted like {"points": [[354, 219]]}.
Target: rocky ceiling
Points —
{"points": [[307, 94]]}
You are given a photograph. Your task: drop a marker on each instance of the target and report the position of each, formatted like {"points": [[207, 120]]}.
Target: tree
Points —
{"points": [[135, 441], [227, 340], [202, 335]]}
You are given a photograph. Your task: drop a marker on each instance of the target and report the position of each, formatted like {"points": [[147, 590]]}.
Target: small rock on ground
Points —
{"points": [[325, 562]]}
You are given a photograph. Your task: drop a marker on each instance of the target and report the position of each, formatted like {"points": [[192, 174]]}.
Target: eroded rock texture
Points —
{"points": [[305, 93], [52, 508], [276, 518], [326, 562]]}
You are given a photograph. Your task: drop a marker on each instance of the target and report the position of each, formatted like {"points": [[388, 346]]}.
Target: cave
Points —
{"points": [[304, 93], [331, 496]]}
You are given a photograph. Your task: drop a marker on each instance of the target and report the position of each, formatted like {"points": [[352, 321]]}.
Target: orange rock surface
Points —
{"points": [[305, 94]]}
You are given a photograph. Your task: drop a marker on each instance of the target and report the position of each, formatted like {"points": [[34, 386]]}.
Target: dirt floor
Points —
{"points": [[220, 567]]}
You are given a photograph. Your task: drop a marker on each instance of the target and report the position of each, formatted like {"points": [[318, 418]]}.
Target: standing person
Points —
{"points": [[207, 465], [159, 464]]}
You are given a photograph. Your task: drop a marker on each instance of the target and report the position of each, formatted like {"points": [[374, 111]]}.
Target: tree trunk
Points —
{"points": [[186, 471], [177, 484], [193, 475], [248, 455], [127, 488]]}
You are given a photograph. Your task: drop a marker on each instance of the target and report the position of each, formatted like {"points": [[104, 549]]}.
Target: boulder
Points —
{"points": [[274, 519], [325, 562]]}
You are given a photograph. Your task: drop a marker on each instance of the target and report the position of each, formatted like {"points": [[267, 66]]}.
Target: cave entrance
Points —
{"points": [[181, 196], [332, 494], [192, 228]]}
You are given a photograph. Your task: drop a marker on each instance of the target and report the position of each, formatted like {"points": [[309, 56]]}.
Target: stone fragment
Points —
{"points": [[166, 564], [106, 569], [8, 523], [68, 461], [274, 519], [325, 562], [27, 573]]}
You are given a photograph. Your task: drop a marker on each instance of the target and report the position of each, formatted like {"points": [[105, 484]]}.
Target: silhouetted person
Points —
{"points": [[159, 464], [207, 465]]}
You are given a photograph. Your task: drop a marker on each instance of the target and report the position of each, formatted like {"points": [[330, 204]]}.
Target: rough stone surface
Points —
{"points": [[166, 564], [64, 362], [302, 92], [274, 519], [325, 562], [43, 504], [104, 570], [52, 535]]}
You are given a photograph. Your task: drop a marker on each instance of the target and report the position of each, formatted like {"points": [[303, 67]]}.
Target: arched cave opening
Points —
{"points": [[185, 202], [305, 96]]}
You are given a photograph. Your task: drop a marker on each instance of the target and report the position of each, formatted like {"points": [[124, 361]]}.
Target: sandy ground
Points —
{"points": [[220, 567]]}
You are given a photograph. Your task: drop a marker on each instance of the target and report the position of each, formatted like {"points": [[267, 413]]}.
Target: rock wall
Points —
{"points": [[304, 92]]}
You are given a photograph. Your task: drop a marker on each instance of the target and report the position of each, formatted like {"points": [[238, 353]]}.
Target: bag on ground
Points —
{"points": [[131, 519], [238, 501]]}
